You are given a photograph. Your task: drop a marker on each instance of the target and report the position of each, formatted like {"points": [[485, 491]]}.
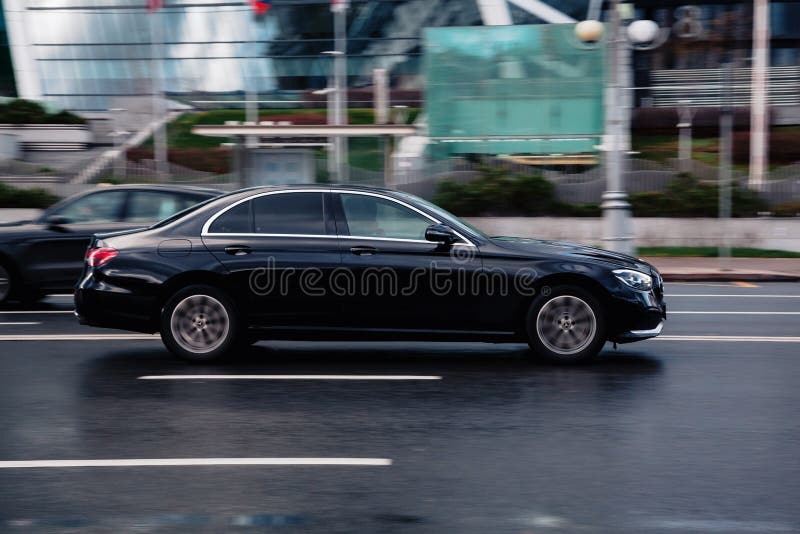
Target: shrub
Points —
{"points": [[12, 197], [216, 160], [496, 192], [687, 197], [784, 147], [22, 111], [787, 209]]}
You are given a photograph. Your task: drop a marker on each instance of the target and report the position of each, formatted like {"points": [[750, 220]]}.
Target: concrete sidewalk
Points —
{"points": [[731, 270]]}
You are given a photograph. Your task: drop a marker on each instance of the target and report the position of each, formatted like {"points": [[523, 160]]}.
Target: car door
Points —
{"points": [[54, 258], [399, 279], [280, 248]]}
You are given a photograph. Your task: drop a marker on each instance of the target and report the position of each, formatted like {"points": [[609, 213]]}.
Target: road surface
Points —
{"points": [[694, 432]]}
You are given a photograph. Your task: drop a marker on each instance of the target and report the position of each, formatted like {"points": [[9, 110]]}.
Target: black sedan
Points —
{"points": [[46, 255], [346, 262]]}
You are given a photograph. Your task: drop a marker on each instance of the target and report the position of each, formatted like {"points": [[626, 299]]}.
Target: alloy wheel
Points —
{"points": [[566, 324], [5, 283], [200, 324]]}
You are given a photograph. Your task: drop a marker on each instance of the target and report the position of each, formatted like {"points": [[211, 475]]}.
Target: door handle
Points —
{"points": [[238, 250], [364, 251]]}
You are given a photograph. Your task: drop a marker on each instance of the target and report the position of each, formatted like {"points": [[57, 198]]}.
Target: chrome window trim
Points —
{"points": [[205, 233]]}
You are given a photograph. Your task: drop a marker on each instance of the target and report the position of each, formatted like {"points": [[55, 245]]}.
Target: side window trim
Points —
{"points": [[325, 214], [337, 212]]}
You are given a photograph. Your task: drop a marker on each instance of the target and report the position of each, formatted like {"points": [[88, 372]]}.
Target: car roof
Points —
{"points": [[177, 188], [301, 187]]}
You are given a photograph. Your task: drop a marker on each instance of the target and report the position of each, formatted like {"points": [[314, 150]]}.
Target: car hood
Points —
{"points": [[12, 230], [542, 247]]}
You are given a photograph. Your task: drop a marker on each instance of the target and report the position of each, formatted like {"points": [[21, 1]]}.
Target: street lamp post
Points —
{"points": [[334, 104], [642, 34], [120, 159]]}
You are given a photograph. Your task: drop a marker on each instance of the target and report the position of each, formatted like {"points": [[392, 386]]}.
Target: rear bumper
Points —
{"points": [[106, 307]]}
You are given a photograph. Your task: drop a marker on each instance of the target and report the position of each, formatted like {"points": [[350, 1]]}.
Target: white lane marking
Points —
{"points": [[17, 324], [719, 525], [33, 312], [78, 337], [153, 462], [290, 377], [710, 312], [707, 295], [776, 339]]}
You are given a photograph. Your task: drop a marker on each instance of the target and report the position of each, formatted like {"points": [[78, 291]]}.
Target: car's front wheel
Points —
{"points": [[566, 324], [199, 324]]}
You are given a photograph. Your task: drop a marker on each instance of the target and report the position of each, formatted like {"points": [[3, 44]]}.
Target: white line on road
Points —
{"points": [[33, 312], [769, 339], [290, 377], [79, 337], [153, 462], [734, 312], [17, 324], [707, 295]]}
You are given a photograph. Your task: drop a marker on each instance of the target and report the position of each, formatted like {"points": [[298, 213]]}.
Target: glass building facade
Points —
{"points": [[80, 54]]}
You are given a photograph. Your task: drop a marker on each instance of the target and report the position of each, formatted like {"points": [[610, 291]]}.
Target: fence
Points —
{"points": [[587, 187], [580, 187]]}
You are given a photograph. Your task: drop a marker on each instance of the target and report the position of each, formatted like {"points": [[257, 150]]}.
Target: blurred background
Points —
{"points": [[692, 109]]}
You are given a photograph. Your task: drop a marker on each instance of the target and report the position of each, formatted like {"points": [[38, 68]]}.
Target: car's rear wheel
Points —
{"points": [[5, 283], [199, 324], [566, 324]]}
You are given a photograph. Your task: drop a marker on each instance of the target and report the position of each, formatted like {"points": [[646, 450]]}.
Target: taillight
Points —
{"points": [[97, 257]]}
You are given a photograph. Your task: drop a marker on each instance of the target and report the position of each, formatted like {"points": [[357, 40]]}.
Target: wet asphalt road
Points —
{"points": [[688, 433]]}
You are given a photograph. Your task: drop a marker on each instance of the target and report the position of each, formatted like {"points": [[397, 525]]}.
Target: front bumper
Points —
{"points": [[637, 335], [637, 315]]}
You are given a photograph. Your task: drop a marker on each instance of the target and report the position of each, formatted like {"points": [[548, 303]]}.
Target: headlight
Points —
{"points": [[634, 279]]}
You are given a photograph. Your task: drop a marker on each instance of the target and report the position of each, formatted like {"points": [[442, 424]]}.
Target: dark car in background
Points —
{"points": [[346, 262], [45, 255]]}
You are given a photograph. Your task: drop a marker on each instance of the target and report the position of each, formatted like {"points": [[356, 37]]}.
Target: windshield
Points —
{"points": [[444, 214]]}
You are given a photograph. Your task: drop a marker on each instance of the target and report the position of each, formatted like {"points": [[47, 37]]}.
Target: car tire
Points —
{"points": [[200, 324], [566, 324], [6, 283]]}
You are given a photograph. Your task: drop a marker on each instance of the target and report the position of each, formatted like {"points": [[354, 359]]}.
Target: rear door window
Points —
{"points": [[298, 213], [237, 220]]}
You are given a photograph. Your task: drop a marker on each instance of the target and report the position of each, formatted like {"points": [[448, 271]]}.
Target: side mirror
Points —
{"points": [[439, 233], [57, 222]]}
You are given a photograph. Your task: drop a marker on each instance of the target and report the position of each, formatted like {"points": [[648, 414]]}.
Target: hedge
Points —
{"points": [[22, 111], [12, 197], [498, 193]]}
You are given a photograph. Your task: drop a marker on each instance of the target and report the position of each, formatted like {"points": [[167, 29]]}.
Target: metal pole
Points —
{"points": [[120, 160], [758, 106], [615, 206], [725, 159], [380, 91], [388, 147], [685, 136], [159, 122], [340, 84]]}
